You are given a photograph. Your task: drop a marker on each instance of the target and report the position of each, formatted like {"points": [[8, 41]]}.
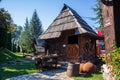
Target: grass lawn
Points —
{"points": [[95, 76], [14, 70], [7, 55], [27, 68]]}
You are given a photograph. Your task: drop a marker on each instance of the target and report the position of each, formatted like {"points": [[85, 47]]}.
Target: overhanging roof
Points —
{"points": [[66, 20]]}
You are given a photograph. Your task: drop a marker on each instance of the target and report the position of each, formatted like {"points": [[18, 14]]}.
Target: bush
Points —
{"points": [[113, 59]]}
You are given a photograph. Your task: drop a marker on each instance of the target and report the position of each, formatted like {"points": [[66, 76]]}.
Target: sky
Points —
{"points": [[47, 10]]}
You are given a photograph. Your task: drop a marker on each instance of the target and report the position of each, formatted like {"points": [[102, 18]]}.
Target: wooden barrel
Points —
{"points": [[73, 69]]}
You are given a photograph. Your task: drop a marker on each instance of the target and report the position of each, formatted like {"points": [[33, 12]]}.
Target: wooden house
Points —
{"points": [[70, 36], [111, 23]]}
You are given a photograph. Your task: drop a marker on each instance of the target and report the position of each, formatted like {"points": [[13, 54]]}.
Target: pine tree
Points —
{"points": [[98, 12], [26, 39], [36, 26], [31, 33], [36, 29]]}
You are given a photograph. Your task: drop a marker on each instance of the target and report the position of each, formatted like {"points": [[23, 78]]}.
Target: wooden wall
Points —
{"points": [[85, 49]]}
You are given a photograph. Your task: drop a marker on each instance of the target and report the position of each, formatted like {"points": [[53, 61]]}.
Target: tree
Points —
{"points": [[36, 29], [31, 32], [16, 34], [5, 28], [36, 26], [26, 38], [98, 12]]}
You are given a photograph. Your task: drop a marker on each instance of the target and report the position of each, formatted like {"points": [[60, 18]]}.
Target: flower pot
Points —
{"points": [[81, 67], [89, 67]]}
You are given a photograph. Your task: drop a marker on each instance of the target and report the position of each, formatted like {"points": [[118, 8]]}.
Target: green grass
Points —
{"points": [[95, 76], [27, 68], [6, 55], [14, 70]]}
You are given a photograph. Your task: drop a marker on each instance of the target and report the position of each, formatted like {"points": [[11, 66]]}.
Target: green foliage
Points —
{"points": [[98, 12], [5, 28], [26, 40], [31, 32], [16, 34], [114, 60], [36, 26]]}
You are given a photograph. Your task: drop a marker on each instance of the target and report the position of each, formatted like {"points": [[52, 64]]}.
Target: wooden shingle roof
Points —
{"points": [[66, 20]]}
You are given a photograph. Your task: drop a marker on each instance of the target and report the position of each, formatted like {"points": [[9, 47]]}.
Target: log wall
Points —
{"points": [[84, 50], [87, 47]]}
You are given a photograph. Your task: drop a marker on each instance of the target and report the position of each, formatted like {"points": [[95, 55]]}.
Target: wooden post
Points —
{"points": [[111, 23]]}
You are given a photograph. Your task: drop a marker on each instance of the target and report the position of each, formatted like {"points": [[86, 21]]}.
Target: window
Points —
{"points": [[73, 39]]}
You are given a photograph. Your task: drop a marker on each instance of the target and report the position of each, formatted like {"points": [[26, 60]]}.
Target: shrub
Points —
{"points": [[113, 59]]}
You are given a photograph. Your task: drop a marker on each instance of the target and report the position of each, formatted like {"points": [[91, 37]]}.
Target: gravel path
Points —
{"points": [[58, 74]]}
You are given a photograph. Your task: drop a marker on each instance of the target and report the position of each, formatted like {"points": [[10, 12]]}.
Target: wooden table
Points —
{"points": [[46, 60]]}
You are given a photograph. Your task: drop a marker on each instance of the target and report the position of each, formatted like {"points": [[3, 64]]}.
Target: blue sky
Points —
{"points": [[47, 9]]}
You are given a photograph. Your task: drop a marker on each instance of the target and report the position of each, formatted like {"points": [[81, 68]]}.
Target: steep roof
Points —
{"points": [[66, 20]]}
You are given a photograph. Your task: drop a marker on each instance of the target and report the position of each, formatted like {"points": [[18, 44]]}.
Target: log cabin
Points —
{"points": [[70, 36]]}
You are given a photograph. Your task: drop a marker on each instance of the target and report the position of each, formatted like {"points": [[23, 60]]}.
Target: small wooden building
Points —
{"points": [[111, 23], [70, 36]]}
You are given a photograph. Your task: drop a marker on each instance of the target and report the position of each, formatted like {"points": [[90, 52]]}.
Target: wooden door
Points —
{"points": [[72, 52]]}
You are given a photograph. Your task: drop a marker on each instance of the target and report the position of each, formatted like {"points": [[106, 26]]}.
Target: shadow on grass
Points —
{"points": [[8, 74], [7, 55], [17, 70]]}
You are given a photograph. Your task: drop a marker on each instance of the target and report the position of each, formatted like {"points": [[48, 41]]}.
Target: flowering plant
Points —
{"points": [[107, 72], [113, 59]]}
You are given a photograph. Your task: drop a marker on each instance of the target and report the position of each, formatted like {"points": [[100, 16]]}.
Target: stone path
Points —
{"points": [[15, 62], [58, 74]]}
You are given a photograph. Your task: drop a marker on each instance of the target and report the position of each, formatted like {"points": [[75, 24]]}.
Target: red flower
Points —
{"points": [[119, 55], [102, 69], [109, 58]]}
